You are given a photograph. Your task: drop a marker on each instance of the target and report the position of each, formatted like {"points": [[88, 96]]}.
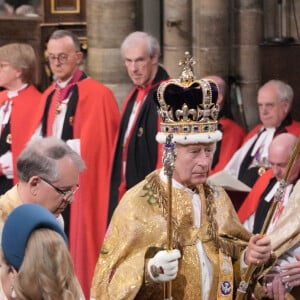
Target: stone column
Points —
{"points": [[210, 37], [248, 35], [177, 33], [108, 22]]}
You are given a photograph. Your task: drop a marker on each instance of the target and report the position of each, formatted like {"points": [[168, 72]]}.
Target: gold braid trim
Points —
{"points": [[157, 194], [227, 244], [212, 229], [160, 197]]}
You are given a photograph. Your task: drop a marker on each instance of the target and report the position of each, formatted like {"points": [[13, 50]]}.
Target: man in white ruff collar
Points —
{"points": [[274, 102]]}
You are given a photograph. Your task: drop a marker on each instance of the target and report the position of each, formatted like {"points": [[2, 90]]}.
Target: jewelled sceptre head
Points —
{"points": [[169, 156]]}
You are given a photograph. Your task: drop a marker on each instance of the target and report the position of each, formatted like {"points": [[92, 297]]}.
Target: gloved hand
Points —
{"points": [[74, 144], [164, 265], [6, 165]]}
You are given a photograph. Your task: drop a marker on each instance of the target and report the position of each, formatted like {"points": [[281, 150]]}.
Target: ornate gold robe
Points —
{"points": [[138, 230], [8, 202]]}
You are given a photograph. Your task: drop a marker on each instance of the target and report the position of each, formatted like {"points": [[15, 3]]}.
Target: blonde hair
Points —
{"points": [[47, 271], [21, 57]]}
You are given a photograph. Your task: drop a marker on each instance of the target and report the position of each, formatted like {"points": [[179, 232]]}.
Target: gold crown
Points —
{"points": [[188, 108]]}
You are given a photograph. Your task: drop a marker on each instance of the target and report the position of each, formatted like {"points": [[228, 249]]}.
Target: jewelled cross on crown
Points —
{"points": [[187, 75]]}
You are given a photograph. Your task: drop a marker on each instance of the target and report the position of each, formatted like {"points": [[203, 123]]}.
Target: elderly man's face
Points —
{"points": [[272, 111], [193, 163], [141, 68], [63, 57]]}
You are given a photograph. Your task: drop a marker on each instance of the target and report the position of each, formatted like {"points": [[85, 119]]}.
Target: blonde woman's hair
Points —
{"points": [[22, 57], [47, 271]]}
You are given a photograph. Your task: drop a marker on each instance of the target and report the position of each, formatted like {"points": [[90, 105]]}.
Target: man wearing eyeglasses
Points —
{"points": [[48, 172], [274, 101], [85, 114]]}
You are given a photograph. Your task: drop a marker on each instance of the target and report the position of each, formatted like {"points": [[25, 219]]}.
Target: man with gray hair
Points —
{"points": [[136, 152], [48, 171], [274, 104]]}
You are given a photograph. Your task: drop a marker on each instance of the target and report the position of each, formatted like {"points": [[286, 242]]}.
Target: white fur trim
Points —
{"points": [[190, 138]]}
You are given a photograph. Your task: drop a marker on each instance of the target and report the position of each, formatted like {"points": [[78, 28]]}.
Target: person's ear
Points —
{"points": [[12, 275], [155, 59], [286, 106], [12, 270], [19, 73], [33, 184], [220, 101], [79, 57]]}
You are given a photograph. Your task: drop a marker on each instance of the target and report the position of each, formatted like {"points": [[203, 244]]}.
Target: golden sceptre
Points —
{"points": [[244, 284], [169, 157]]}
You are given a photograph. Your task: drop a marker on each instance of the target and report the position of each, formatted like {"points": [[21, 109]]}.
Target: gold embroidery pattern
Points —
{"points": [[212, 229]]}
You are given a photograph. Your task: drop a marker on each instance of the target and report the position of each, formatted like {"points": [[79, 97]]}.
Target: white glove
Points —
{"points": [[164, 265], [74, 144], [6, 165]]}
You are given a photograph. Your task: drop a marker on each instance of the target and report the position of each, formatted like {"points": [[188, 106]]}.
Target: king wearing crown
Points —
{"points": [[202, 256]]}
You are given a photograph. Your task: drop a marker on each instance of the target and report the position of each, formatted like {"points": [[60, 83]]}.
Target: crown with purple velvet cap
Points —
{"points": [[187, 108]]}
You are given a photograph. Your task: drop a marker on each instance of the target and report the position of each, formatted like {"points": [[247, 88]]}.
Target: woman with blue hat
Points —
{"points": [[35, 262]]}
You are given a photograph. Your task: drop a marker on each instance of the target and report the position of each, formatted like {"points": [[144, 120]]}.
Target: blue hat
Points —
{"points": [[19, 225]]}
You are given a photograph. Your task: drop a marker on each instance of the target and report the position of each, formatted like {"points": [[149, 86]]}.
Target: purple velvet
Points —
{"points": [[175, 95]]}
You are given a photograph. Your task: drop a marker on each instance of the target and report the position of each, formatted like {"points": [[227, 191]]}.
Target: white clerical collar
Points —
{"points": [[263, 142], [11, 94], [273, 191], [63, 84]]}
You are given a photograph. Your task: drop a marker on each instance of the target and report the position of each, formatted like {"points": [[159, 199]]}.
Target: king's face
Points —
{"points": [[193, 162]]}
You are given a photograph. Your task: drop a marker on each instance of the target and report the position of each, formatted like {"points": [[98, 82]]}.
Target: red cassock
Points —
{"points": [[251, 202], [232, 139], [293, 128], [95, 123], [26, 114]]}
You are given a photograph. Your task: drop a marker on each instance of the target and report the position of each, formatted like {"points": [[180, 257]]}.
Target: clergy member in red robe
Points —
{"points": [[136, 153], [21, 107], [233, 133], [254, 210], [85, 114], [274, 104]]}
